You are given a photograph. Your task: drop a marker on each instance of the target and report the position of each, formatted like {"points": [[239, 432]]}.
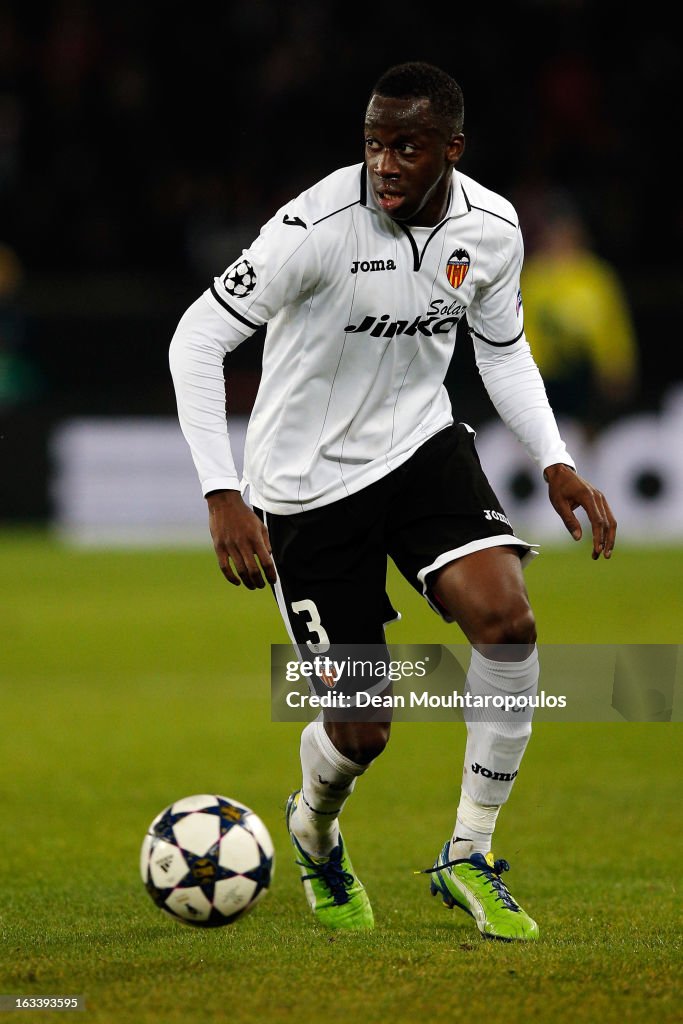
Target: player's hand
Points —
{"points": [[567, 491], [240, 540]]}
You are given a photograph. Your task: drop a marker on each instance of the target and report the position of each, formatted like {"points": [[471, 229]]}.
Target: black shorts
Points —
{"points": [[332, 561]]}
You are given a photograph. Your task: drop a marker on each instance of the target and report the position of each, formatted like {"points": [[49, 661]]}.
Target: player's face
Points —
{"points": [[409, 159]]}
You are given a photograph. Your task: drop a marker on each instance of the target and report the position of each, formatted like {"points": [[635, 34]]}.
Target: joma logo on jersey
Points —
{"points": [[367, 266], [385, 327]]}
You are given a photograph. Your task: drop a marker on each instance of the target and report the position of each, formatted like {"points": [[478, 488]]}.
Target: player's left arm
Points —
{"points": [[568, 491], [515, 386]]}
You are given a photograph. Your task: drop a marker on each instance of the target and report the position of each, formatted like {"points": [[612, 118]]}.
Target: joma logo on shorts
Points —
{"points": [[496, 776], [490, 513], [366, 266]]}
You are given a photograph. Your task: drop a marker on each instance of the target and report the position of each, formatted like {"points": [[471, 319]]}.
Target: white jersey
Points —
{"points": [[362, 314]]}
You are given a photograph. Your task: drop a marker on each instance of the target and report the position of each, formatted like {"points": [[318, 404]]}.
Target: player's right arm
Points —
{"points": [[196, 356], [240, 539], [272, 273]]}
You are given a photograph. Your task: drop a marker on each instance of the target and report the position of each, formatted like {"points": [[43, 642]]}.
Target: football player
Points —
{"points": [[353, 454]]}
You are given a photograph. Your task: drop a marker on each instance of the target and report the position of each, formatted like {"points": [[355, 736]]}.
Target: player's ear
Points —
{"points": [[455, 148]]}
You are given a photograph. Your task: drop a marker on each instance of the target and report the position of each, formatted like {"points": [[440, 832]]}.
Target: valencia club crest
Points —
{"points": [[457, 267]]}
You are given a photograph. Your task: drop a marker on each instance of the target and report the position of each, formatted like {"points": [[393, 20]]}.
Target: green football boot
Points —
{"points": [[335, 894], [474, 884]]}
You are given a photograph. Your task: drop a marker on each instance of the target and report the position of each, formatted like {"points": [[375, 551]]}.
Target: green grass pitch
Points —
{"points": [[130, 679]]}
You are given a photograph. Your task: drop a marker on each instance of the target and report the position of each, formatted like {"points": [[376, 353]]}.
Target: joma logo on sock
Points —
{"points": [[495, 776]]}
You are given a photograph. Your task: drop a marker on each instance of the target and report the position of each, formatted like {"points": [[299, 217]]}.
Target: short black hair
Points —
{"points": [[420, 80]]}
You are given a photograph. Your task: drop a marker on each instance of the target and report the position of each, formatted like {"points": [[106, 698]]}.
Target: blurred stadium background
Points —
{"points": [[135, 163], [141, 146]]}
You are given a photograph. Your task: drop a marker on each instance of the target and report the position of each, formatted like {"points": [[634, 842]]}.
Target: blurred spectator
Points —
{"points": [[578, 320], [17, 377]]}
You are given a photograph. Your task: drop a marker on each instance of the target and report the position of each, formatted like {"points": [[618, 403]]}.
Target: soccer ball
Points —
{"points": [[207, 860]]}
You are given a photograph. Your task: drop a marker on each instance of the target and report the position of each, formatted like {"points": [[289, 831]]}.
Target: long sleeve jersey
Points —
{"points": [[361, 315]]}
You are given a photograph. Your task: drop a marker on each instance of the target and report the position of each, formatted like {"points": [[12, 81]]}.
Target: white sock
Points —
{"points": [[328, 781], [474, 827], [496, 741]]}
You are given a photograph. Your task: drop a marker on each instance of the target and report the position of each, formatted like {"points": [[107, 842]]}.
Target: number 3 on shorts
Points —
{"points": [[314, 625]]}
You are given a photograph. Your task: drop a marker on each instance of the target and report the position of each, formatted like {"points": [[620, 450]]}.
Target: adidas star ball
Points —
{"points": [[207, 860]]}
